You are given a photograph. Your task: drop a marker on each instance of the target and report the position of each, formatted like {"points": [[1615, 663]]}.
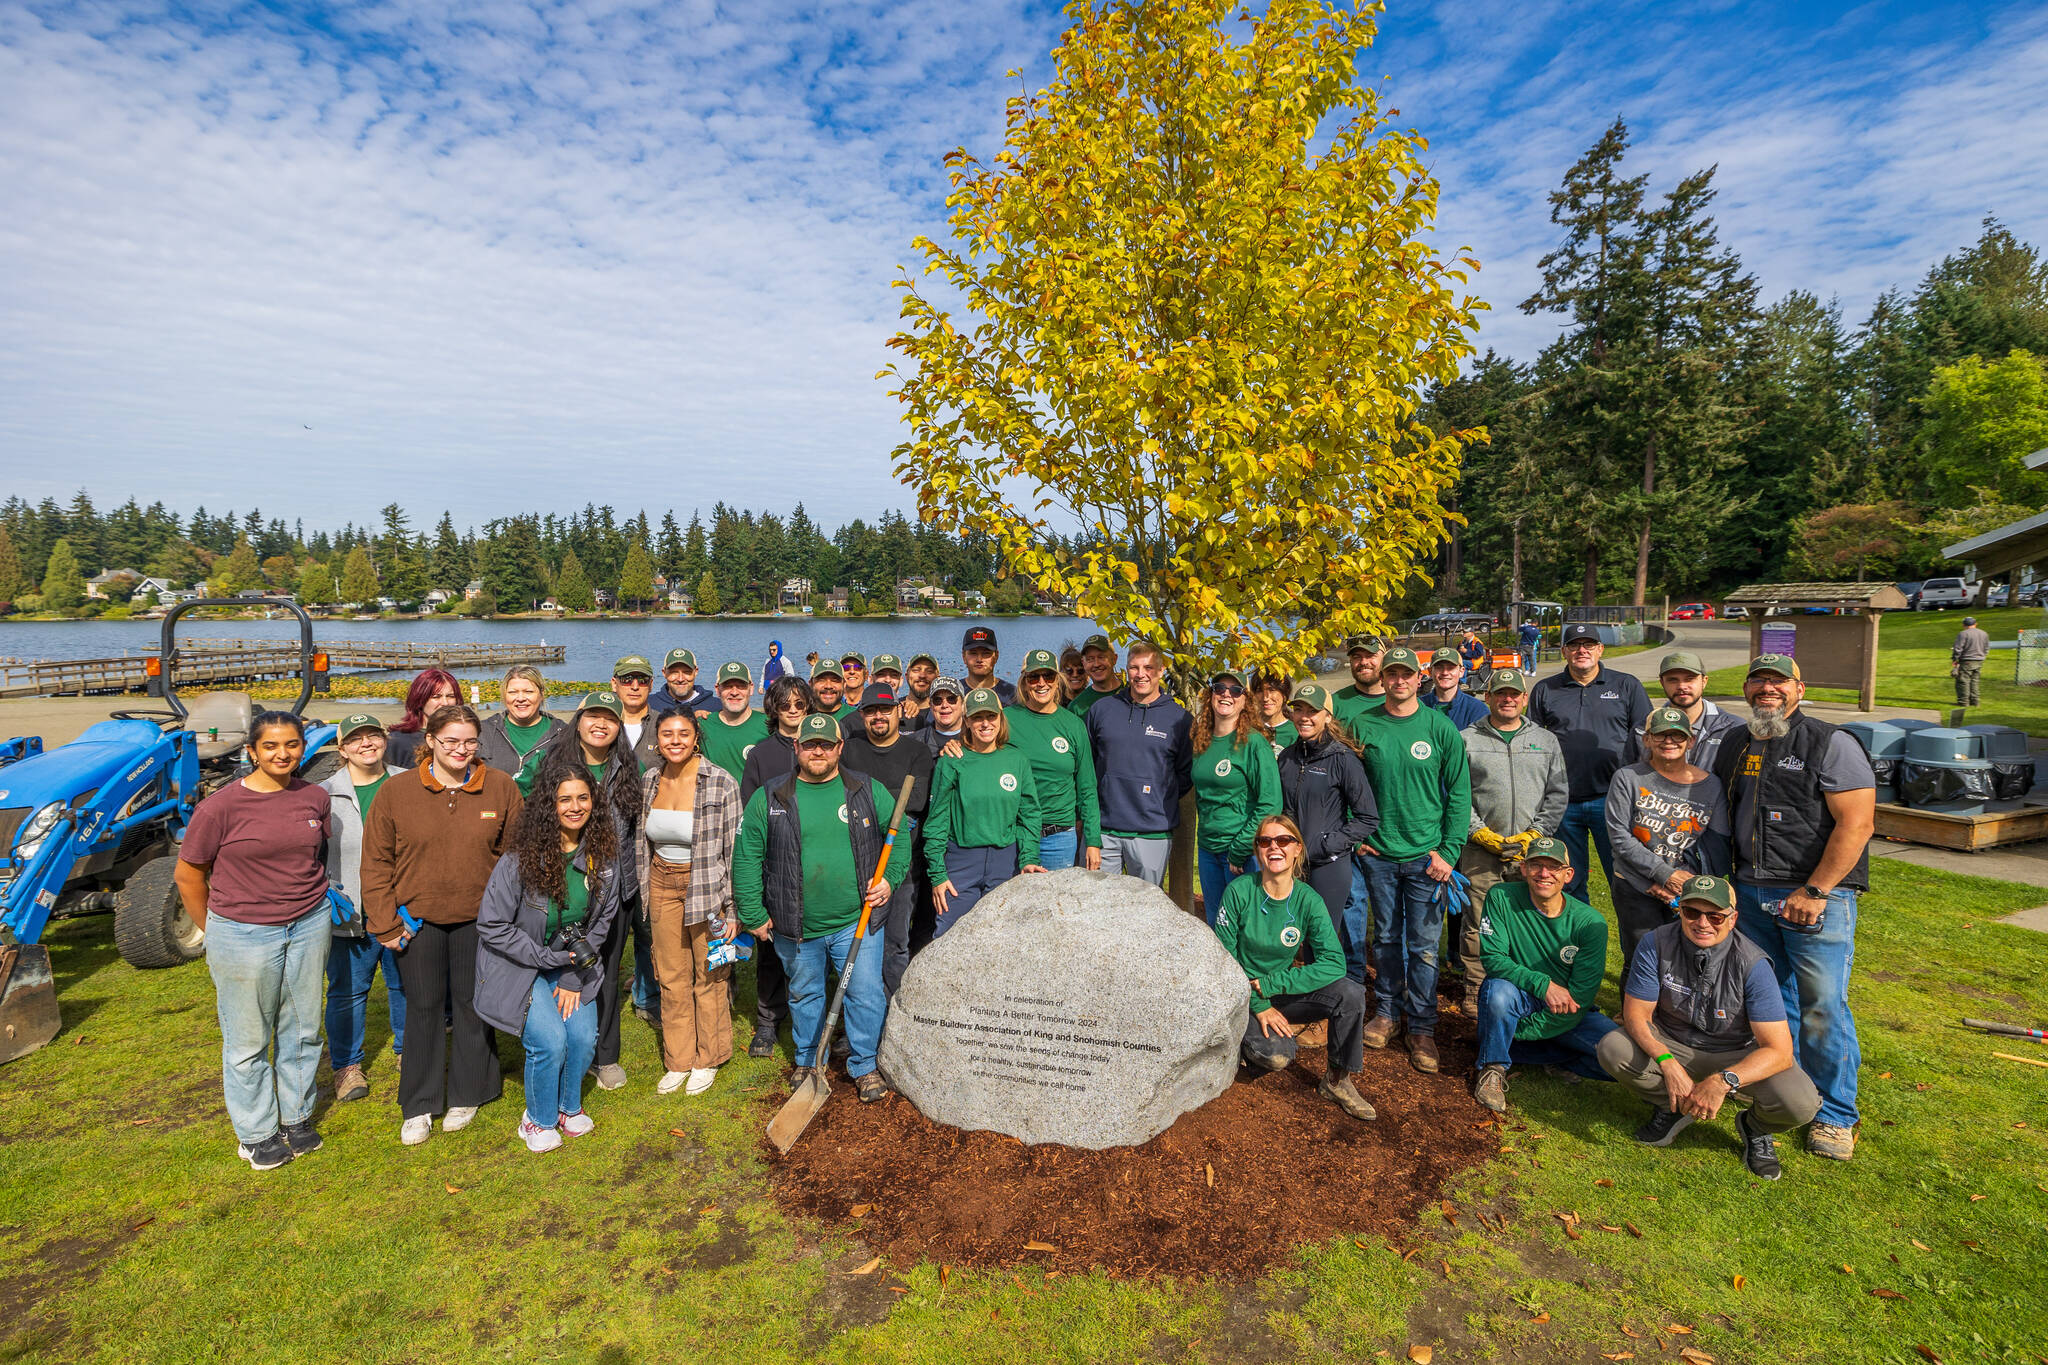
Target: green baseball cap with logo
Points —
{"points": [[1445, 655], [1236, 675], [631, 664], [1547, 847], [1311, 694], [818, 726], [917, 659], [1715, 891], [853, 657], [828, 668], [983, 701], [1508, 680], [1400, 656], [1784, 665], [360, 721], [735, 670], [1100, 642], [679, 656], [1039, 661], [1682, 661], [1371, 644], [1668, 720], [607, 700], [888, 663]]}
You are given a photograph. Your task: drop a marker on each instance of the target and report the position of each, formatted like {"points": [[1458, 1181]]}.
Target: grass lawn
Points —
{"points": [[129, 1231], [1912, 668]]}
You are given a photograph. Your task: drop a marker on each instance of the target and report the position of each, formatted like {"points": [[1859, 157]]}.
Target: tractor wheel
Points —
{"points": [[151, 927], [324, 765]]}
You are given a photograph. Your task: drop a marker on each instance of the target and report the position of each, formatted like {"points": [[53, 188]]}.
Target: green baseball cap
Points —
{"points": [[1236, 675], [727, 672], [1508, 680], [607, 700], [361, 720], [1039, 661], [679, 656], [1446, 655], [630, 665], [854, 657], [828, 668], [1784, 665], [1715, 891], [1682, 661], [1100, 642], [1547, 847], [923, 659], [1371, 644], [1400, 656], [983, 701], [888, 663], [1311, 694], [816, 726], [1668, 720]]}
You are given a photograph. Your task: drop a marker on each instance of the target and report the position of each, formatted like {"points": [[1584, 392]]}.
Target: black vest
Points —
{"points": [[1679, 981], [1789, 820], [782, 874]]}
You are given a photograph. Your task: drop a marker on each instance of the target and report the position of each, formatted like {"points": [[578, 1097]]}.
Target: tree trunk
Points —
{"points": [[1515, 569], [1591, 592], [1643, 537]]}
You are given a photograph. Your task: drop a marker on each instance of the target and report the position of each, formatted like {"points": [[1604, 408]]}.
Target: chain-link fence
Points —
{"points": [[2031, 665]]}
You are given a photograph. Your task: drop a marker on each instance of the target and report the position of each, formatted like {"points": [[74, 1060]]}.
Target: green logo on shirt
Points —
{"points": [[1420, 750], [1222, 767], [1290, 937], [1008, 782], [1059, 744], [842, 814]]}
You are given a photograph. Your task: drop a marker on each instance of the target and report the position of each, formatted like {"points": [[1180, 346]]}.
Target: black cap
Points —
{"points": [[878, 694], [1580, 630], [978, 637]]}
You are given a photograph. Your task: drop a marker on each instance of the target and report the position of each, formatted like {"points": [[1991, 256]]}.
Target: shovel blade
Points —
{"points": [[28, 1001], [797, 1111]]}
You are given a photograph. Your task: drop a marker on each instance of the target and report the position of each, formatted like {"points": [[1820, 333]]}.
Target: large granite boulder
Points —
{"points": [[1072, 1007]]}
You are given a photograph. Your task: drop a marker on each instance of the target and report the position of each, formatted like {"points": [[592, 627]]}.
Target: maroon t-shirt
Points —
{"points": [[267, 850]]}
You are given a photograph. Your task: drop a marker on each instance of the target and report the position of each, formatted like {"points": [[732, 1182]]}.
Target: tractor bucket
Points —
{"points": [[28, 1000]]}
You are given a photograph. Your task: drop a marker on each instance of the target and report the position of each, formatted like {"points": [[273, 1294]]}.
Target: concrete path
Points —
{"points": [[1725, 644]]}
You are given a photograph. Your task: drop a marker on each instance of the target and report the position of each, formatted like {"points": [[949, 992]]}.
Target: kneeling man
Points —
{"points": [[1701, 1018]]}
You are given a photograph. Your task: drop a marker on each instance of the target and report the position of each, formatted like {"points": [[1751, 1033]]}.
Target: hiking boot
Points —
{"points": [[1663, 1125], [841, 1049], [763, 1044], [301, 1137], [1491, 1089], [1831, 1141], [266, 1155], [611, 1076], [871, 1087], [351, 1084], [578, 1124], [457, 1118], [1422, 1054], [646, 1015], [1342, 1093], [416, 1129], [537, 1138], [1315, 1033], [1380, 1031], [1759, 1150], [798, 1075]]}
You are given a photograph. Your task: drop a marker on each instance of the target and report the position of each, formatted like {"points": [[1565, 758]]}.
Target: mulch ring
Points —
{"points": [[1227, 1190]]}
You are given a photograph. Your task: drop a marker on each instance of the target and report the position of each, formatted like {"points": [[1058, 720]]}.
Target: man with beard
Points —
{"points": [[1683, 676], [1804, 803]]}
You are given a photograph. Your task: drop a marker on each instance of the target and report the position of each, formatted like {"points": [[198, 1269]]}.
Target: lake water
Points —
{"points": [[592, 646]]}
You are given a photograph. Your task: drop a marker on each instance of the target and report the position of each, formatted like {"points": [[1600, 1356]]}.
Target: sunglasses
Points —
{"points": [[1275, 841], [634, 680], [1226, 689], [1713, 917]]}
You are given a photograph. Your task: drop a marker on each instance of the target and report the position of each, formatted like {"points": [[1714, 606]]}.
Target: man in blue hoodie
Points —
{"points": [[679, 690], [1144, 763]]}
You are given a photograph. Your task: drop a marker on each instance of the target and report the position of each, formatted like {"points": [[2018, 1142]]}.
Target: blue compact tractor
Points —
{"points": [[94, 826]]}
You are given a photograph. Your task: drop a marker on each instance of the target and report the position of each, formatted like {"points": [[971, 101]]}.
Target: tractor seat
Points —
{"points": [[229, 713]]}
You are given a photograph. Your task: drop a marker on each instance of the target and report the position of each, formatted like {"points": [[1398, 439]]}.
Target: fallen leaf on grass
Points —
{"points": [[1651, 1199], [1975, 1197], [454, 1189], [1630, 1332], [870, 1268], [1609, 1227], [898, 1289], [1450, 1214], [860, 1210], [1359, 1242], [1410, 1253], [1573, 1233], [1884, 1075], [945, 1273], [1920, 1244], [1886, 1294], [1040, 1246], [1678, 1329], [1617, 1355], [1846, 1268], [1421, 1355], [1633, 1230], [1605, 1184], [708, 1210], [1739, 1281], [677, 1132], [1541, 1317], [1926, 1354], [1693, 1356], [137, 1227], [137, 1123]]}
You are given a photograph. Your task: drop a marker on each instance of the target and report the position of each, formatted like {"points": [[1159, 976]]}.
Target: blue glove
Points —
{"points": [[340, 908], [412, 925], [1458, 884]]}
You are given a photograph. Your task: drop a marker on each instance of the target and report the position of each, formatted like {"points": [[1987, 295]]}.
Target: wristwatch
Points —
{"points": [[1731, 1080], [1814, 891]]}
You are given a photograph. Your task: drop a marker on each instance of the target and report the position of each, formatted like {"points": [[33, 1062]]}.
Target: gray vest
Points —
{"points": [[1703, 1009]]}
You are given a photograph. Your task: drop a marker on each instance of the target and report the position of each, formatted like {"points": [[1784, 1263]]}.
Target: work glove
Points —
{"points": [[340, 908], [1516, 846], [1487, 839]]}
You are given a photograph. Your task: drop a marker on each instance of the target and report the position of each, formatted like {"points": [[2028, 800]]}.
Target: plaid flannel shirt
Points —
{"points": [[715, 829]]}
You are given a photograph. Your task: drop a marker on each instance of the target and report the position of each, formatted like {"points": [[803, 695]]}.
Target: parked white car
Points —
{"points": [[1939, 594]]}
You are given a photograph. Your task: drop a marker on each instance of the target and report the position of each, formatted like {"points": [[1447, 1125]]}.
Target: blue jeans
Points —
{"points": [[646, 993], [1407, 925], [1813, 972], [267, 989], [1503, 1006], [558, 1052], [352, 964], [1355, 928], [813, 965], [1059, 849], [1213, 870], [1580, 817]]}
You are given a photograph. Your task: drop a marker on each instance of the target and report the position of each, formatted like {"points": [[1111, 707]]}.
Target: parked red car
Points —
{"points": [[1693, 611]]}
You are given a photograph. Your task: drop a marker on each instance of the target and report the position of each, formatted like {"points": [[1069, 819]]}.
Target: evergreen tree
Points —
{"points": [[124, 540], [696, 551], [511, 565], [83, 529], [359, 578], [668, 550], [237, 573], [449, 566], [636, 579], [316, 585], [707, 601], [12, 582], [178, 563], [63, 583], [401, 568], [572, 585]]}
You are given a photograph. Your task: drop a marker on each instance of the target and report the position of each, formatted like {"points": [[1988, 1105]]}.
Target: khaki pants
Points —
{"points": [[1967, 678], [1485, 871], [696, 1014], [1781, 1102]]}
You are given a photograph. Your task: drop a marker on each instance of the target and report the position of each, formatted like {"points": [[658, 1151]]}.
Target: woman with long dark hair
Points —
{"points": [[549, 901], [433, 689], [1325, 792], [1237, 784]]}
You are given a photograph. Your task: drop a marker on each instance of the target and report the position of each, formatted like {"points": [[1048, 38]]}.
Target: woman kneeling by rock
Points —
{"points": [[1267, 923]]}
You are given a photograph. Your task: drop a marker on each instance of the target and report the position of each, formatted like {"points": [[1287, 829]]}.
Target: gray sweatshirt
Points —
{"points": [[1972, 646], [1658, 826], [1518, 778], [345, 844]]}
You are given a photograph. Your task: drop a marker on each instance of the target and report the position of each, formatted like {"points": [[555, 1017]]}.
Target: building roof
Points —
{"points": [[1818, 595]]}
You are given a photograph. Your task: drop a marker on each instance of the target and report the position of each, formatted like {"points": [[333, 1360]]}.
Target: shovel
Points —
{"points": [[28, 999], [801, 1107]]}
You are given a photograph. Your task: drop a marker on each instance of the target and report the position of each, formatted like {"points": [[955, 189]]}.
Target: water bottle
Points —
{"points": [[1777, 908]]}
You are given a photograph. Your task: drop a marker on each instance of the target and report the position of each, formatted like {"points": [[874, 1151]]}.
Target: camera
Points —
{"points": [[571, 939]]}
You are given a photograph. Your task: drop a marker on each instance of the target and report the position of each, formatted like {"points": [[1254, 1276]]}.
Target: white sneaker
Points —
{"points": [[577, 1124], [416, 1130], [537, 1138], [457, 1118], [700, 1079], [672, 1081]]}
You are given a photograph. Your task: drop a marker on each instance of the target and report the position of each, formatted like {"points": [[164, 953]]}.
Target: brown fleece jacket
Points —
{"points": [[431, 848]]}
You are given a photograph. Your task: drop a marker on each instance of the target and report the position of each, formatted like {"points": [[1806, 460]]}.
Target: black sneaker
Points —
{"points": [[763, 1044], [1662, 1127], [301, 1137], [1759, 1150], [268, 1154]]}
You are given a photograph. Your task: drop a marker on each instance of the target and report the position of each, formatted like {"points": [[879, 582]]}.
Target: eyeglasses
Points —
{"points": [[1275, 841], [1717, 918], [811, 745], [456, 746]]}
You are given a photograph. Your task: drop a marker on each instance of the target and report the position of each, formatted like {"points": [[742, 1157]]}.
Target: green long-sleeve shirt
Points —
{"points": [[1520, 944], [832, 887], [1265, 936], [1236, 786], [1062, 768], [982, 801], [1422, 781]]}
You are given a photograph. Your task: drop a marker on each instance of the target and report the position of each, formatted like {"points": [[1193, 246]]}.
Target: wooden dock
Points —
{"points": [[215, 663]]}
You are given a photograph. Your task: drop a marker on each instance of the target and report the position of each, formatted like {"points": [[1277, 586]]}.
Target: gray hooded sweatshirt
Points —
{"points": [[1518, 778]]}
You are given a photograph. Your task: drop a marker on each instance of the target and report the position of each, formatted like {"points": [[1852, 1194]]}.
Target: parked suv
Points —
{"points": [[1939, 594]]}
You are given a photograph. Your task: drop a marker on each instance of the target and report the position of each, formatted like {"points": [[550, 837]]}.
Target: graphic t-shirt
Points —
{"points": [[267, 850]]}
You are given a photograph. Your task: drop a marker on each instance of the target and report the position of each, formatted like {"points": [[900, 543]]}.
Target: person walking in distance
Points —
{"points": [[1966, 660]]}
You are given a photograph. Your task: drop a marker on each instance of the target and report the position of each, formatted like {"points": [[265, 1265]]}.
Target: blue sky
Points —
{"points": [[493, 256]]}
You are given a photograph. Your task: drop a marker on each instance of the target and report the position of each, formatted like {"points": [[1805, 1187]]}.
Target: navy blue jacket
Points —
{"points": [[1461, 710], [1144, 761], [701, 698]]}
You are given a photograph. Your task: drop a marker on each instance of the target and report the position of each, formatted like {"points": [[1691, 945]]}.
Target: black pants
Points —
{"points": [[1343, 1002], [1637, 913], [631, 917], [1331, 881], [443, 1070], [902, 909], [771, 989]]}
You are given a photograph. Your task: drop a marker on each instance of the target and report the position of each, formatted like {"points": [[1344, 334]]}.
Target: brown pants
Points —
{"points": [[696, 1014], [1777, 1103], [1485, 871]]}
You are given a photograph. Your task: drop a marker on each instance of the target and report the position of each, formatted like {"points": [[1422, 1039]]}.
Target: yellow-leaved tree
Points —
{"points": [[1197, 307]]}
